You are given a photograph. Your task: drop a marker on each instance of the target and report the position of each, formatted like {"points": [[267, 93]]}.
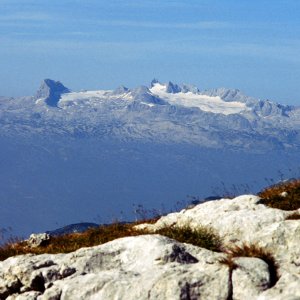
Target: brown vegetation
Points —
{"points": [[202, 237], [252, 251], [71, 242], [294, 216], [285, 196]]}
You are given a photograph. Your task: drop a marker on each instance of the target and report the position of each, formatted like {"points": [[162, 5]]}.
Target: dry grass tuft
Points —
{"points": [[253, 251], [285, 196], [202, 237], [71, 242], [228, 261], [293, 216]]}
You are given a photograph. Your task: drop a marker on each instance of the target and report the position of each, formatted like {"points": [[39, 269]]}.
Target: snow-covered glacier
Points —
{"points": [[70, 156]]}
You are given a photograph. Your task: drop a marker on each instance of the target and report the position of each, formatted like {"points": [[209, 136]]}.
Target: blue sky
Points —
{"points": [[100, 44]]}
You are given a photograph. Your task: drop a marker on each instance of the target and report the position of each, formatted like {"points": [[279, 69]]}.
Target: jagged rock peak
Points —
{"points": [[141, 90], [51, 91], [185, 88], [153, 82], [173, 88], [227, 94], [143, 94], [269, 108], [120, 90], [48, 86]]}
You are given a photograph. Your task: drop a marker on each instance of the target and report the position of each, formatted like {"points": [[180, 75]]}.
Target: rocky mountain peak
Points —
{"points": [[185, 88], [143, 94], [227, 94], [153, 82], [173, 88], [51, 91], [120, 90]]}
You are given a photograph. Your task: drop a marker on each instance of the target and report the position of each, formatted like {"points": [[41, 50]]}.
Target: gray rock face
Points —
{"points": [[268, 108], [173, 88], [156, 267], [185, 88], [153, 82], [120, 90], [228, 95], [143, 94], [51, 91]]}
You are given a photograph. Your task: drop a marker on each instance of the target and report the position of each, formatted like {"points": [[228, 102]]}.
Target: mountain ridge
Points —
{"points": [[102, 151], [165, 113]]}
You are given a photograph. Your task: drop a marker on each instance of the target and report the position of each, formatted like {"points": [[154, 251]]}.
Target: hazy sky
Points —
{"points": [[100, 44]]}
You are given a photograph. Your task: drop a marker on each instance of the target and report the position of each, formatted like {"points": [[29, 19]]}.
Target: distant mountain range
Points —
{"points": [[161, 112], [95, 156]]}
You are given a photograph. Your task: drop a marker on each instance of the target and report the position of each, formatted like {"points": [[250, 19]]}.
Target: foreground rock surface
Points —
{"points": [[156, 267], [244, 220], [144, 267]]}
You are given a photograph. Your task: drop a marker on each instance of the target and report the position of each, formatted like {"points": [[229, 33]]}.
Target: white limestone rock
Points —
{"points": [[243, 220], [143, 267], [239, 220], [38, 239], [235, 220], [287, 288], [32, 295], [249, 278]]}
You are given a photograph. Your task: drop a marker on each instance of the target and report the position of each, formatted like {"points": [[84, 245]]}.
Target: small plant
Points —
{"points": [[293, 216], [228, 261], [285, 196], [203, 237], [13, 246], [252, 251]]}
